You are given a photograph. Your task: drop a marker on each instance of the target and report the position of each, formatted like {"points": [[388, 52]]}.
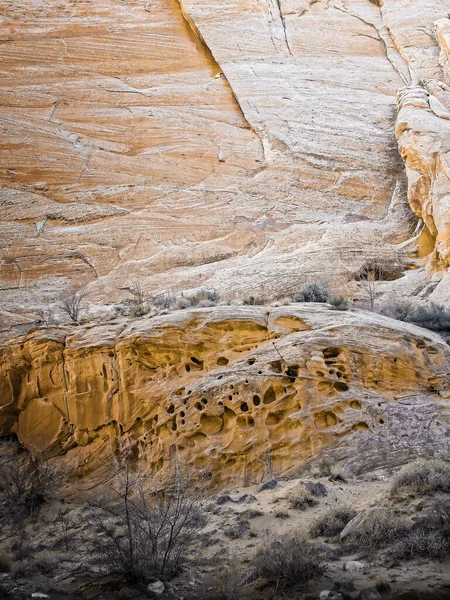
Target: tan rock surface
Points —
{"points": [[226, 388], [247, 146]]}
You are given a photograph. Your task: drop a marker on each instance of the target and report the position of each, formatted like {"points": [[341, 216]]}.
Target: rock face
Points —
{"points": [[247, 147], [240, 392]]}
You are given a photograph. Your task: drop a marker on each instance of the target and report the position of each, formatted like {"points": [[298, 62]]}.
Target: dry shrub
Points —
{"points": [[301, 498], [378, 529], [429, 535], [26, 483], [332, 522], [313, 292], [146, 535], [423, 477], [288, 561]]}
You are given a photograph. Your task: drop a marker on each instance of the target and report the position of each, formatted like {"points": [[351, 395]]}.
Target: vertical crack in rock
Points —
{"points": [[279, 10], [193, 27], [382, 35]]}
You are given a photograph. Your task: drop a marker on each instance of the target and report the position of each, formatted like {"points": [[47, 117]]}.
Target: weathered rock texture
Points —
{"points": [[247, 147], [236, 391]]}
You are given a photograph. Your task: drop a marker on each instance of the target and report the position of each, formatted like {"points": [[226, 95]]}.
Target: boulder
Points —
{"points": [[353, 565], [155, 589]]}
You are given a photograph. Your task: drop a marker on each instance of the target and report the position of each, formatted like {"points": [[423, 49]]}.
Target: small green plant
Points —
{"points": [[288, 561]]}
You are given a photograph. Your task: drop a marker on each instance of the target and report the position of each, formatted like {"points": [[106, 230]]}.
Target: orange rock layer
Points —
{"points": [[239, 392]]}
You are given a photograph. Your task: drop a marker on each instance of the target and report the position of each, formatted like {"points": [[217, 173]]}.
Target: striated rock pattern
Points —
{"points": [[238, 391], [243, 146]]}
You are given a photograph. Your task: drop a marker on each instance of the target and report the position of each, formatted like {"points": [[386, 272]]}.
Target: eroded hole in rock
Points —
{"points": [[180, 391], [381, 421], [331, 352], [222, 361], [272, 419], [230, 397], [340, 386], [187, 367], [325, 419], [292, 372], [182, 413], [269, 396], [241, 422], [323, 386], [204, 401], [244, 407], [355, 404], [174, 424], [362, 426], [211, 424], [251, 421], [256, 400], [171, 409], [199, 406], [251, 361], [276, 366]]}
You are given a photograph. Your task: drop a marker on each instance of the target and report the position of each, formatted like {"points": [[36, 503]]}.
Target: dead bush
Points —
{"points": [[422, 477], [146, 535], [378, 529], [289, 560], [26, 483], [72, 306], [301, 498], [332, 522]]}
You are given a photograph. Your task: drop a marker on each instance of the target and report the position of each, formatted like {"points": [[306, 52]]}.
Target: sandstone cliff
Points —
{"points": [[248, 147], [236, 391]]}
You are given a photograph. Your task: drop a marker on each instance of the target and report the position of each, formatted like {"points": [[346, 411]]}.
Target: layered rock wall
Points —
{"points": [[246, 147]]}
